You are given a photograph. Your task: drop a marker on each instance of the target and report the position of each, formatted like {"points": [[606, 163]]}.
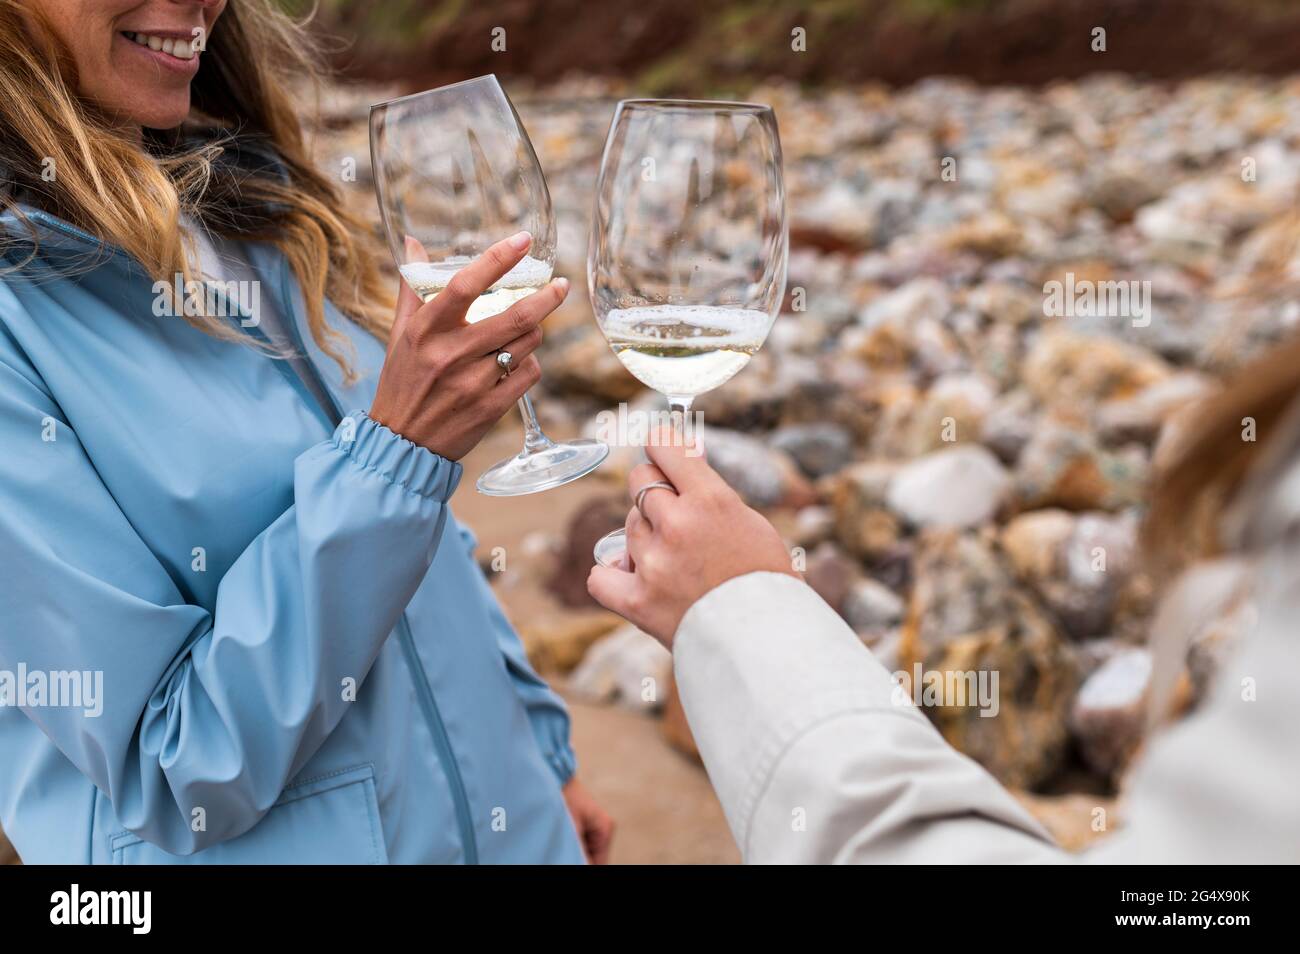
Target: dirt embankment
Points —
{"points": [[688, 47]]}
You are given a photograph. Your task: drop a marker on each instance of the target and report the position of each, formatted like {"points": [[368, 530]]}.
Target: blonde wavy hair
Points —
{"points": [[131, 194]]}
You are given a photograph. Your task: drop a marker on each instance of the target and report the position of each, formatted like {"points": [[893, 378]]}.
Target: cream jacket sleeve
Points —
{"points": [[815, 761]]}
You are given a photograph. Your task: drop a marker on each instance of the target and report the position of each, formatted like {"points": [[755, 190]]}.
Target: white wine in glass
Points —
{"points": [[428, 278], [454, 174], [687, 260]]}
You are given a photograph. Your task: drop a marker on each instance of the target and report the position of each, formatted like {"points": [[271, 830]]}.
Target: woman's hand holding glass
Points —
{"points": [[441, 386], [682, 544]]}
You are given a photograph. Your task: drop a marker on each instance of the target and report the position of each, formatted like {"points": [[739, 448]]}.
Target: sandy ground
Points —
{"points": [[664, 806], [662, 801]]}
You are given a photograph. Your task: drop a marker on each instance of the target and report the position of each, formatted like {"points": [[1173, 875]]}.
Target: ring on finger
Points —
{"points": [[655, 485], [505, 361]]}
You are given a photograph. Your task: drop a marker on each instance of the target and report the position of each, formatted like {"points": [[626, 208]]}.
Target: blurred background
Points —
{"points": [[949, 459]]}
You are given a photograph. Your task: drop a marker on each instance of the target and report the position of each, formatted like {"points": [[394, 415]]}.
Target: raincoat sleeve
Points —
{"points": [[205, 715]]}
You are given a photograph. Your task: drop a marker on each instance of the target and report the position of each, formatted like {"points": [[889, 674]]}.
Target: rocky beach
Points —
{"points": [[1002, 306], [1003, 303]]}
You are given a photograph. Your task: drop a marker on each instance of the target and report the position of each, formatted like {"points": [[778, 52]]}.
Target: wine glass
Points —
{"points": [[687, 260], [455, 173]]}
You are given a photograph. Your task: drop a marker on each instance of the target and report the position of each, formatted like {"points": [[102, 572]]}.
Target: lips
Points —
{"points": [[180, 47]]}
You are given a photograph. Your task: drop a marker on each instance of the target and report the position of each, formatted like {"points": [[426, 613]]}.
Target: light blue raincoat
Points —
{"points": [[299, 660]]}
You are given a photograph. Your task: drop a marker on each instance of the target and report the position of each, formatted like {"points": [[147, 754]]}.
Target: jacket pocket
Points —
{"points": [[326, 820]]}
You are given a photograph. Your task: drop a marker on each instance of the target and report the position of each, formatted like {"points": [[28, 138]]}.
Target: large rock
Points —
{"points": [[770, 391], [1068, 369], [557, 643], [813, 524], [590, 522], [1078, 565], [1034, 541], [831, 574], [1003, 301], [1010, 424], [960, 487], [584, 364], [1064, 466], [1141, 416], [871, 607], [627, 666], [762, 475], [966, 614], [1119, 188], [818, 449], [862, 523], [904, 329], [951, 411], [1109, 713]]}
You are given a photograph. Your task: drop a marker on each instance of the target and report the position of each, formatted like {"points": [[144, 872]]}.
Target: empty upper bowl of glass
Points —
{"points": [[455, 173]]}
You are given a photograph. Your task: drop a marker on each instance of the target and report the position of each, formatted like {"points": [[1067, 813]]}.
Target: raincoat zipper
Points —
{"points": [[441, 740]]}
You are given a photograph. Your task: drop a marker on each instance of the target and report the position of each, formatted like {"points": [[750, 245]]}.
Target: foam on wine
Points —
{"points": [[428, 278], [685, 350]]}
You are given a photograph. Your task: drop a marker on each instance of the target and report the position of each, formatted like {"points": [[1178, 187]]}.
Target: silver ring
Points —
{"points": [[505, 360], [656, 485]]}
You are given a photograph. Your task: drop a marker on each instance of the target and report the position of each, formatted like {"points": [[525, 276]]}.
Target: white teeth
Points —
{"points": [[181, 49]]}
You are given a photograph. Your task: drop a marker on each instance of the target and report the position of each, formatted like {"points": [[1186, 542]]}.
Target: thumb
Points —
{"points": [[612, 589], [681, 458]]}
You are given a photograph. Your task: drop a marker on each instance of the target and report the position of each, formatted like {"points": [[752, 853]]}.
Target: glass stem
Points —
{"points": [[679, 405], [534, 439]]}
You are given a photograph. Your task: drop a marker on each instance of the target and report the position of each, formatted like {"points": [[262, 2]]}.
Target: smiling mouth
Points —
{"points": [[182, 49]]}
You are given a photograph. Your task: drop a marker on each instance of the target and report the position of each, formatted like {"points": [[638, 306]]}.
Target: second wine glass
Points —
{"points": [[687, 261], [455, 172]]}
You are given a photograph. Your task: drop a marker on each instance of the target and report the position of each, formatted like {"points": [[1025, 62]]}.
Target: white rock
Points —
{"points": [[960, 487], [762, 475], [1108, 716], [871, 606], [918, 300], [628, 666], [1119, 682]]}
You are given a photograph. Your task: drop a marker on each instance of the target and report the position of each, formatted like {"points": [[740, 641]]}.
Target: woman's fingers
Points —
{"points": [[507, 389], [492, 334], [656, 500], [408, 302], [682, 461], [614, 589], [639, 536], [520, 348], [448, 309]]}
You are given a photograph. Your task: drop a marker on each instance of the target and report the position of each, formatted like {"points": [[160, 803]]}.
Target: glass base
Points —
{"points": [[542, 469], [611, 550]]}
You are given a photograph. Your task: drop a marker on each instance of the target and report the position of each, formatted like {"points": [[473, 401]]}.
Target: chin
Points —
{"points": [[160, 116]]}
